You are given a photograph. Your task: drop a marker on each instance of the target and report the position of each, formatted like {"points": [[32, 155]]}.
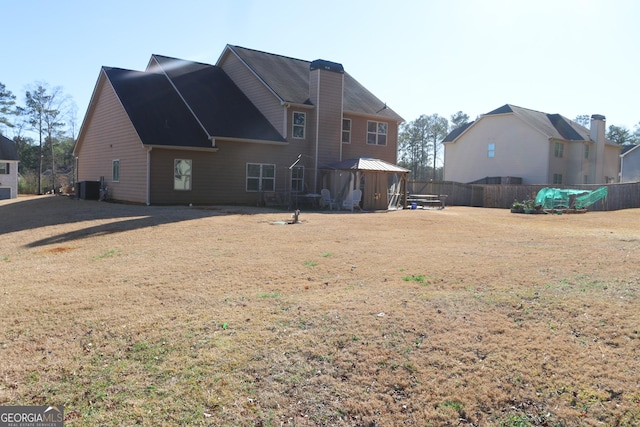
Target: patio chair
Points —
{"points": [[353, 202], [326, 199]]}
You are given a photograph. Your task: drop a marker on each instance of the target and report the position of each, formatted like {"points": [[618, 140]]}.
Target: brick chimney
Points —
{"points": [[326, 83], [598, 127]]}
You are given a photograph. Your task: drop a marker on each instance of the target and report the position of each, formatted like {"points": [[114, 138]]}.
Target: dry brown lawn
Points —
{"points": [[219, 317]]}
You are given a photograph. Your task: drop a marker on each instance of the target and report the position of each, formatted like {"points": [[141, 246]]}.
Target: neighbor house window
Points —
{"points": [[491, 150], [297, 179], [346, 131], [559, 149], [586, 151], [299, 122], [4, 168], [182, 174], [261, 177], [376, 133], [557, 178], [115, 172]]}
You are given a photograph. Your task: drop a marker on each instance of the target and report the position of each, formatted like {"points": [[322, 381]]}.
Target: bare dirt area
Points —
{"points": [[222, 316]]}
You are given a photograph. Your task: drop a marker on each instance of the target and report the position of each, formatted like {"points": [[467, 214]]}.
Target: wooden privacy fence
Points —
{"points": [[620, 196]]}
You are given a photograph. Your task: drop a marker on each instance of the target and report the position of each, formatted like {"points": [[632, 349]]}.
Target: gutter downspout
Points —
{"points": [[315, 178], [149, 175]]}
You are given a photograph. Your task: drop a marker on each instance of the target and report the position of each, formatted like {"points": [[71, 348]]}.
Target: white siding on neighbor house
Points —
{"points": [[520, 151], [10, 180], [631, 166], [111, 136], [255, 90]]}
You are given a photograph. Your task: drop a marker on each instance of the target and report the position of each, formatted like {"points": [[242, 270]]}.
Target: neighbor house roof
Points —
{"points": [[368, 164], [288, 79], [8, 149], [553, 126]]}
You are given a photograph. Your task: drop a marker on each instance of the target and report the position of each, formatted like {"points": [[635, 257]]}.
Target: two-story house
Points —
{"points": [[8, 168], [537, 147], [255, 123]]}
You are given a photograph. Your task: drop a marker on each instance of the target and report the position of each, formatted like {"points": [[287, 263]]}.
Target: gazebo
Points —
{"points": [[383, 184]]}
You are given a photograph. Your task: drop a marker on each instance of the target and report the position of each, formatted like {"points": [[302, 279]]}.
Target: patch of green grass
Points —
{"points": [[327, 254], [269, 295], [108, 254], [310, 263], [416, 278]]}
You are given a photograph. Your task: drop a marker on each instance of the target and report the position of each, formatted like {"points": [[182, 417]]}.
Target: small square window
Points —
{"points": [[261, 177], [4, 169], [376, 133], [299, 124], [557, 178]]}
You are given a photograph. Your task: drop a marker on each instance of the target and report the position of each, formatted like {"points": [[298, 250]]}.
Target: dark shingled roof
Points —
{"points": [[551, 125], [288, 78], [456, 132], [222, 108], [8, 149], [155, 109]]}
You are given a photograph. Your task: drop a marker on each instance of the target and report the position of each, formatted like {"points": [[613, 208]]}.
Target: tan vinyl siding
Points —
{"points": [[220, 177], [255, 90], [110, 136], [326, 91], [359, 146]]}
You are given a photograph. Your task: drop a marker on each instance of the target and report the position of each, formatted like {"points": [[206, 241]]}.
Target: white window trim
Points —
{"points": [[347, 131], [294, 125], [190, 175], [113, 168], [260, 178], [300, 179], [491, 150], [377, 133]]}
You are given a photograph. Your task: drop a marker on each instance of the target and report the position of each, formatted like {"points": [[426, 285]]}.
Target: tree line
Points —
{"points": [[44, 130], [420, 141]]}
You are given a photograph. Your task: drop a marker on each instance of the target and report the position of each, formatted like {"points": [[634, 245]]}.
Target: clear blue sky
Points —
{"points": [[420, 57]]}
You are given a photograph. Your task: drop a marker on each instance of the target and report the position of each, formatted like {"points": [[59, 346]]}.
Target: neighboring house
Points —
{"points": [[255, 123], [630, 163], [537, 147], [8, 168]]}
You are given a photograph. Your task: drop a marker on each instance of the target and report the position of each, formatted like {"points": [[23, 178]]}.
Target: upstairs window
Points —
{"points": [[115, 171], [376, 133], [4, 168], [346, 131], [182, 174], [586, 151], [491, 150], [299, 124], [558, 149], [261, 177]]}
